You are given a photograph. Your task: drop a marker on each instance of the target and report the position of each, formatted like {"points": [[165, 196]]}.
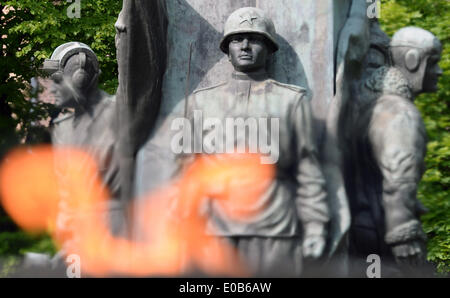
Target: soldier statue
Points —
{"points": [[389, 146], [87, 115], [289, 222]]}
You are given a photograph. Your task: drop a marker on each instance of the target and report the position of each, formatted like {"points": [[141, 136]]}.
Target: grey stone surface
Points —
{"points": [[351, 37], [141, 51], [36, 260]]}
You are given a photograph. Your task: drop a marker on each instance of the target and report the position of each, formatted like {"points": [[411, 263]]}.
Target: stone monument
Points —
{"points": [[348, 142], [178, 43], [388, 148], [297, 194], [187, 58], [168, 49], [87, 118]]}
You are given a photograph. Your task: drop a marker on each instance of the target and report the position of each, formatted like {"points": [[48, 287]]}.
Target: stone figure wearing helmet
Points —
{"points": [[388, 147], [288, 222], [87, 115]]}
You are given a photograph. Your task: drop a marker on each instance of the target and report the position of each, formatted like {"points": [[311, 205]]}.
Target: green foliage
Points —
{"points": [[8, 265], [43, 25], [14, 242], [434, 190], [13, 245], [19, 243]]}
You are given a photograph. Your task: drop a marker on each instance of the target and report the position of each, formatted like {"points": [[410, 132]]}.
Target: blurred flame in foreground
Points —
{"points": [[60, 191]]}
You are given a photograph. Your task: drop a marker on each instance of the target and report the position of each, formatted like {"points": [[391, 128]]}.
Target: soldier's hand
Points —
{"points": [[313, 246], [410, 254]]}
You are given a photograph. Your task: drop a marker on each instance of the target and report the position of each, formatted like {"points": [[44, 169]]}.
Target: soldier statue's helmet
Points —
{"points": [[62, 54], [249, 20], [415, 37]]}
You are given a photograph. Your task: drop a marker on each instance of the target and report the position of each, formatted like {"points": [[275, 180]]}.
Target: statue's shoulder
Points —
{"points": [[200, 90], [107, 101], [63, 118], [109, 98], [394, 106], [388, 81], [289, 87]]}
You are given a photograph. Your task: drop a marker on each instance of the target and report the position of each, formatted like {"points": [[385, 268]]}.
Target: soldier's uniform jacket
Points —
{"points": [[92, 132], [297, 194], [389, 147]]}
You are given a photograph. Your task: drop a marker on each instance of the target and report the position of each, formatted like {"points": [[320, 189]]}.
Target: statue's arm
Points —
{"points": [[311, 202], [399, 148]]}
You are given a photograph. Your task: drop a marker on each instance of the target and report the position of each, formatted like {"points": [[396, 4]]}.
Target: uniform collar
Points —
{"points": [[254, 76]]}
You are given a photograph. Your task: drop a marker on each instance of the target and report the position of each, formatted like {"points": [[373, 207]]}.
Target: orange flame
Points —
{"points": [[60, 191]]}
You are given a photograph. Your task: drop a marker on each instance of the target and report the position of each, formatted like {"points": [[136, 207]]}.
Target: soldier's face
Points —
{"points": [[71, 85], [61, 90], [248, 52], [432, 73]]}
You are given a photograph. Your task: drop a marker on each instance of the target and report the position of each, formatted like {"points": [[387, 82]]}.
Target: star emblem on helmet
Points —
{"points": [[248, 18]]}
